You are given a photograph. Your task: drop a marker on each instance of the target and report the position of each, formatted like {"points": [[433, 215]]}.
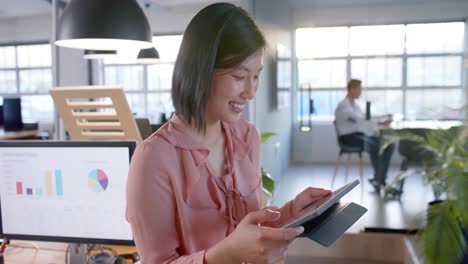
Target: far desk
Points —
{"points": [[16, 135], [425, 124]]}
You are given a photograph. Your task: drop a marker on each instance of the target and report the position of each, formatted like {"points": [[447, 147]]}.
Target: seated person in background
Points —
{"points": [[351, 125]]}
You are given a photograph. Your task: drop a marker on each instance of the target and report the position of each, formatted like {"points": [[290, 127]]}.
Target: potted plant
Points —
{"points": [[442, 237], [446, 218]]}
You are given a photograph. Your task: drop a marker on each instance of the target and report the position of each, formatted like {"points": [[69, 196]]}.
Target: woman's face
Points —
{"points": [[232, 89]]}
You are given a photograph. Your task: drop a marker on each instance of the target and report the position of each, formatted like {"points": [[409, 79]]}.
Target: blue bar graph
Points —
{"points": [[58, 182]]}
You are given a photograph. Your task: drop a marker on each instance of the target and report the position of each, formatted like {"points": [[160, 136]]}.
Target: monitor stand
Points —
{"points": [[78, 253]]}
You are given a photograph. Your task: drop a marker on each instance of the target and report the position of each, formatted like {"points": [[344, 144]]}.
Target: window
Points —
{"points": [[147, 87], [379, 72], [322, 73], [434, 71], [322, 42], [413, 69], [376, 40], [434, 38], [283, 75], [26, 71]]}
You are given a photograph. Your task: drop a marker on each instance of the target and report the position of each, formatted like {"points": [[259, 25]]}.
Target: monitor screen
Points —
{"points": [[12, 120], [66, 191]]}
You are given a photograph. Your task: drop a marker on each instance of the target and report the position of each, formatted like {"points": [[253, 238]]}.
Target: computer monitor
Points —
{"points": [[67, 191], [12, 119]]}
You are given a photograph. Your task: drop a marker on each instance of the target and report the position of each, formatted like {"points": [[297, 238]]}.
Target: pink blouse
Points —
{"points": [[176, 207]]}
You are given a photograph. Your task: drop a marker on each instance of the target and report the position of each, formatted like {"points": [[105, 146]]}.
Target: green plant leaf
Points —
{"points": [[268, 194], [442, 238], [266, 135], [394, 184], [408, 135], [460, 183], [268, 182]]}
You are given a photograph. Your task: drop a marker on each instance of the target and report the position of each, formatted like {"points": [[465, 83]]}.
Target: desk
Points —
{"points": [[15, 135], [363, 248], [426, 124], [32, 252]]}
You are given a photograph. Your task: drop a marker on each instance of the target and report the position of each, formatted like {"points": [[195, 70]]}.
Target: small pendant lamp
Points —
{"points": [[103, 25], [150, 55]]}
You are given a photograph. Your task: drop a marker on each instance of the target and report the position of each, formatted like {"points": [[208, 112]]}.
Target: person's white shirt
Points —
{"points": [[348, 117]]}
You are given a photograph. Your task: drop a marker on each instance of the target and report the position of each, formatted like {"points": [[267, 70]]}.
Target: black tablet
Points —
{"points": [[318, 207]]}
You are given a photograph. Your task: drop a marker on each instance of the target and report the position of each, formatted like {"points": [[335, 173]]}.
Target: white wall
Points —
{"points": [[174, 20], [273, 18], [25, 29], [320, 145]]}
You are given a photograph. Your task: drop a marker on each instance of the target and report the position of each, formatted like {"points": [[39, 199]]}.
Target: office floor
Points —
{"points": [[382, 213]]}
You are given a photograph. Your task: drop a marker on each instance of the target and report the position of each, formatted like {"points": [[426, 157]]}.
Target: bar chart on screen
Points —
{"points": [[52, 184]]}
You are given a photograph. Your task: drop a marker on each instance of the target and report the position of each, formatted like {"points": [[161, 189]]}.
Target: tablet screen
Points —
{"points": [[318, 207]]}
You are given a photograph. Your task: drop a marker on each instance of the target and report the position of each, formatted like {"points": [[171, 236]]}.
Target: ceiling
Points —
{"points": [[297, 4], [20, 8]]}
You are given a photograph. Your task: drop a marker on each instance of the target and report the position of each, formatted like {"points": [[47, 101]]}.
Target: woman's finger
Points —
{"points": [[280, 234], [307, 197]]}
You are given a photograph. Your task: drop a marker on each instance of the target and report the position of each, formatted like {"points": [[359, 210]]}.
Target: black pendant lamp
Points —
{"points": [[150, 55], [99, 54], [103, 25]]}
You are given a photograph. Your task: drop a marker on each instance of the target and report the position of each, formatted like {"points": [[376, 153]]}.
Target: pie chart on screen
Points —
{"points": [[97, 180]]}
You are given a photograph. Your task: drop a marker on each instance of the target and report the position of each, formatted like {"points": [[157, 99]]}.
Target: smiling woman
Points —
{"points": [[232, 89], [194, 192], [221, 51]]}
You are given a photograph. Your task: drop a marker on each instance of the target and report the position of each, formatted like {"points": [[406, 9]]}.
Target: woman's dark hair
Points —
{"points": [[220, 36]]}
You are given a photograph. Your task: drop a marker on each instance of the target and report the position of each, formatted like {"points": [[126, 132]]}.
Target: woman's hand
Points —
{"points": [[291, 209], [251, 242], [307, 197]]}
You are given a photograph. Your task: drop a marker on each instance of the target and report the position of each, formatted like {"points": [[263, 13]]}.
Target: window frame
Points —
{"points": [[297, 118], [18, 70], [145, 91]]}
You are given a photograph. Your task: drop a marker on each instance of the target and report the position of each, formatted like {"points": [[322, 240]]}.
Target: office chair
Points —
{"points": [[344, 149], [144, 127]]}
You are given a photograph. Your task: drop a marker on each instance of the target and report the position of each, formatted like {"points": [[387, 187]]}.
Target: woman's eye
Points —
{"points": [[240, 78]]}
